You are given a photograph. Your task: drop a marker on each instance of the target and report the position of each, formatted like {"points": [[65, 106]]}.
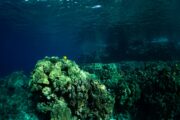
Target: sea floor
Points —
{"points": [[141, 91]]}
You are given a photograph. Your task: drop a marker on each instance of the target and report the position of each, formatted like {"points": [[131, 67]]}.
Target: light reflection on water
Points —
{"points": [[51, 26], [96, 12]]}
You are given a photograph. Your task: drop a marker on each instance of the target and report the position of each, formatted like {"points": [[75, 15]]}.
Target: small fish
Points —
{"points": [[96, 6], [65, 57]]}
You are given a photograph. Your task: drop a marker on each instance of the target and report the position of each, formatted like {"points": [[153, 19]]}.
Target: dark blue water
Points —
{"points": [[87, 31]]}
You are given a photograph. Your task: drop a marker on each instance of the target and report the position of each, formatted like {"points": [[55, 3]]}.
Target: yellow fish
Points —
{"points": [[65, 57]]}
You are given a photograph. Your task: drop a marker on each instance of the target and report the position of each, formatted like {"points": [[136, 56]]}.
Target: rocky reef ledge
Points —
{"points": [[59, 89]]}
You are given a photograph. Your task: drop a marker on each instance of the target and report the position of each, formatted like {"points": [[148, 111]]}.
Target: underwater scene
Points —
{"points": [[90, 60]]}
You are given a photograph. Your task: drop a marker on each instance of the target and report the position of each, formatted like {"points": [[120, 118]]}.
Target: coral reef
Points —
{"points": [[145, 91], [160, 83], [109, 74], [61, 90], [123, 87], [127, 93], [14, 94]]}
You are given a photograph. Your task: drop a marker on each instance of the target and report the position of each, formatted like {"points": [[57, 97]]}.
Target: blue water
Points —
{"points": [[94, 30]]}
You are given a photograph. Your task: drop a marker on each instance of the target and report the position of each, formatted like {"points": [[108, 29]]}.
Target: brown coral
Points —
{"points": [[60, 87]]}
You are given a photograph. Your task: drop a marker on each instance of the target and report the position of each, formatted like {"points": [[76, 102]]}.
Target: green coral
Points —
{"points": [[58, 109], [127, 93], [159, 84], [60, 90], [121, 84], [60, 87], [14, 98], [109, 74]]}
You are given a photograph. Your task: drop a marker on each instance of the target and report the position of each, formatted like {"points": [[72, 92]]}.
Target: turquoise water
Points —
{"points": [[111, 30]]}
